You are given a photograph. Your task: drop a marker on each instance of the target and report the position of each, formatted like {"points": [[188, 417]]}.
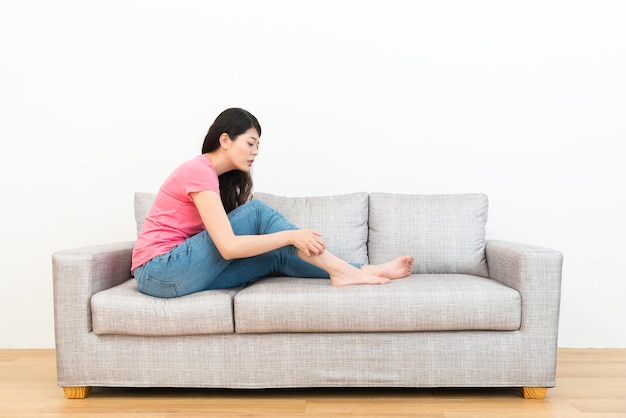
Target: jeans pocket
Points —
{"points": [[158, 288]]}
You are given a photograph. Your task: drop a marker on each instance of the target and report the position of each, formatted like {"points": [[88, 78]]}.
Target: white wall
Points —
{"points": [[523, 100]]}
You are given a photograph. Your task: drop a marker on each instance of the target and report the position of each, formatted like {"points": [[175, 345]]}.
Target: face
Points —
{"points": [[243, 149]]}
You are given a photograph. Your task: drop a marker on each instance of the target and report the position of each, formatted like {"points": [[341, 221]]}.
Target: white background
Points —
{"points": [[522, 100]]}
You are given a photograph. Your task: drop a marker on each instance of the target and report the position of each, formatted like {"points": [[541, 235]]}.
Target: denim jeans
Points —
{"points": [[197, 265]]}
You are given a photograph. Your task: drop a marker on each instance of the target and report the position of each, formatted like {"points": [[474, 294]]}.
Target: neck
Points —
{"points": [[218, 162]]}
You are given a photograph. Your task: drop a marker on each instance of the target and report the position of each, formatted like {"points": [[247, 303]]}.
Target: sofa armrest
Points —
{"points": [[79, 273], [535, 272]]}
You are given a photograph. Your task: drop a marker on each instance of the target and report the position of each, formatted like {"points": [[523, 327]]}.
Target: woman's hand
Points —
{"points": [[308, 241]]}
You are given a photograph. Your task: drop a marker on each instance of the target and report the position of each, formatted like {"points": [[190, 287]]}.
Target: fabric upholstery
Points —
{"points": [[417, 303], [293, 360], [143, 203], [518, 266], [342, 219], [126, 311], [445, 233]]}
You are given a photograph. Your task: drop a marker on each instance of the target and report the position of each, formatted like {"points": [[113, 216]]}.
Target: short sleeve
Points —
{"points": [[197, 175]]}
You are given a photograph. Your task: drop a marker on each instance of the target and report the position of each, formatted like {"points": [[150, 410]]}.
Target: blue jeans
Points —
{"points": [[197, 265]]}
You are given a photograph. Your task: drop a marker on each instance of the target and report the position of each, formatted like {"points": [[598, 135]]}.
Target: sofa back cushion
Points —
{"points": [[445, 233], [342, 219], [143, 203]]}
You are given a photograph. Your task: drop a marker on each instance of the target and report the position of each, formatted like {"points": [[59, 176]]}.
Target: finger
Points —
{"points": [[316, 247], [320, 242]]}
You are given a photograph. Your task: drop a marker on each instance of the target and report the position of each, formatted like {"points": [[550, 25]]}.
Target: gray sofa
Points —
{"points": [[474, 313]]}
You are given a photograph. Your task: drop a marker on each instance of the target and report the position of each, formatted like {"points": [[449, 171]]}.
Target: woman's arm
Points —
{"points": [[232, 246]]}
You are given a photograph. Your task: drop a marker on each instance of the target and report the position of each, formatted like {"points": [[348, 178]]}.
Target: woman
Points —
{"points": [[203, 231]]}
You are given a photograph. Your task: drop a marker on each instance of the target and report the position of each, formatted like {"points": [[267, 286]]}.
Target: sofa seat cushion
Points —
{"points": [[123, 309], [425, 302]]}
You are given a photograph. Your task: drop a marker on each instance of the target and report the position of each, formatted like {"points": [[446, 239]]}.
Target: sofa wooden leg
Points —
{"points": [[77, 392], [534, 393]]}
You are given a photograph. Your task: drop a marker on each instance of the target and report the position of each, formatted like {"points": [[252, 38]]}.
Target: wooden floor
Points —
{"points": [[590, 383]]}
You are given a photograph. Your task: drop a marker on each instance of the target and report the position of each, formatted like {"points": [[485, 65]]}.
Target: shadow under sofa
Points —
{"points": [[473, 313]]}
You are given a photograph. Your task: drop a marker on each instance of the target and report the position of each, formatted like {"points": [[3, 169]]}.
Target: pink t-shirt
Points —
{"points": [[174, 217]]}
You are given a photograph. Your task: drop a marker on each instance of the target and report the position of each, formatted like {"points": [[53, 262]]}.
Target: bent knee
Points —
{"points": [[255, 203]]}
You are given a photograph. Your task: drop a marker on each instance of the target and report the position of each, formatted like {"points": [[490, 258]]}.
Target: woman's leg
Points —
{"points": [[344, 274], [197, 265], [244, 270], [268, 220], [294, 263], [258, 218], [326, 266]]}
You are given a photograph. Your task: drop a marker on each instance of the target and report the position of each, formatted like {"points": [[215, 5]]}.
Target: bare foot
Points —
{"points": [[395, 269], [342, 273], [352, 275]]}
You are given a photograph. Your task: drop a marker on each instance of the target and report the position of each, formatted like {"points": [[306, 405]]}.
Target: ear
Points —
{"points": [[225, 140]]}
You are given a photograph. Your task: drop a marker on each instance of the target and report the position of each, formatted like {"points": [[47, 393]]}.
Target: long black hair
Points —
{"points": [[235, 185]]}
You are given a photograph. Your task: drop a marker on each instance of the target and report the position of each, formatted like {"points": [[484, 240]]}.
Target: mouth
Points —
{"points": [[250, 162]]}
